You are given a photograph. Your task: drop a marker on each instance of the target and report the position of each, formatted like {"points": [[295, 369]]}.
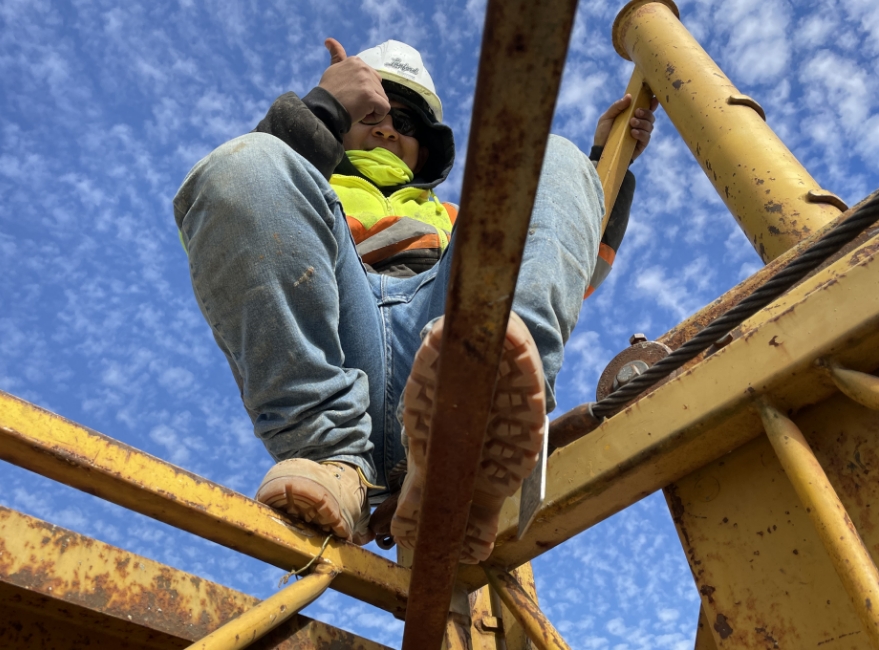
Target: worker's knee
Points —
{"points": [[253, 170], [257, 159]]}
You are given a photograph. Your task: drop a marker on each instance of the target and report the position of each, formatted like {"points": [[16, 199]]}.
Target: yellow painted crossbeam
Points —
{"points": [[707, 411], [62, 450], [57, 586]]}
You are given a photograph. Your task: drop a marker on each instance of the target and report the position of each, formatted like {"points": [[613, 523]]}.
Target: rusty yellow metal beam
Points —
{"points": [[487, 627], [578, 421], [64, 451], [772, 196], [705, 412], [524, 45], [704, 637], [242, 631], [458, 624], [859, 386], [687, 328], [60, 589], [844, 545], [515, 635], [542, 633], [494, 627], [763, 575]]}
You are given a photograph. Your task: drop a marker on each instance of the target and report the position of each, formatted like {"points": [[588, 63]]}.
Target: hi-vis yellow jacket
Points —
{"points": [[400, 234]]}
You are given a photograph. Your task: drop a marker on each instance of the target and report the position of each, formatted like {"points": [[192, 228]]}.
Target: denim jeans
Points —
{"points": [[320, 348]]}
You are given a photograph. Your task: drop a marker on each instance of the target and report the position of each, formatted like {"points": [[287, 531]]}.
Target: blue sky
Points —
{"points": [[104, 106]]}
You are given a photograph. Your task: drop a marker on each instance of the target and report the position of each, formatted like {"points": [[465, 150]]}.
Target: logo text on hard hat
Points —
{"points": [[398, 64]]}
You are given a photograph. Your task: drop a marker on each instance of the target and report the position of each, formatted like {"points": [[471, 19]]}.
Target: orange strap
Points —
{"points": [[606, 256]]}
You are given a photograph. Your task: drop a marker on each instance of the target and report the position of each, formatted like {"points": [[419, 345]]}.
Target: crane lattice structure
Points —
{"points": [[763, 443]]}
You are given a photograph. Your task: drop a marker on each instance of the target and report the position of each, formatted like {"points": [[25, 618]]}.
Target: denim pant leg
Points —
{"points": [[277, 277], [558, 261], [560, 253]]}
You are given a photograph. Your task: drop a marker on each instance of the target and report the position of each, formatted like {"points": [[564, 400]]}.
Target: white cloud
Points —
{"points": [[758, 49]]}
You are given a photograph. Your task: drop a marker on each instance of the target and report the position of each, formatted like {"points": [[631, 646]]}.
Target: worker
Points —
{"points": [[320, 257]]}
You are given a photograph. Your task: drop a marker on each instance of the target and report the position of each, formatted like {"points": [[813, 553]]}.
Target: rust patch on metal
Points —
{"points": [[676, 506], [766, 636], [773, 207], [722, 627], [837, 638], [134, 590], [571, 426]]}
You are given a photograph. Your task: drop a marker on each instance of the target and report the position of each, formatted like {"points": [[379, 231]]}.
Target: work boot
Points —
{"points": [[512, 443], [331, 495]]}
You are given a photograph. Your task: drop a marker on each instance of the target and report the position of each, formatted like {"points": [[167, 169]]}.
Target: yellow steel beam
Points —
{"points": [[852, 560], [258, 621], [704, 413], [688, 327], [572, 425], [458, 624], [63, 590], [704, 637], [761, 570], [859, 386], [772, 196], [487, 627], [69, 453], [494, 626], [515, 635], [538, 628]]}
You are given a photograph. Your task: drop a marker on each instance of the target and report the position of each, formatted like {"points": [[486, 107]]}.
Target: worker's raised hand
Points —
{"points": [[354, 84], [641, 123]]}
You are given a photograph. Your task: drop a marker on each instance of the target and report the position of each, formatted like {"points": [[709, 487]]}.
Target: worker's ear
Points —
{"points": [[423, 153]]}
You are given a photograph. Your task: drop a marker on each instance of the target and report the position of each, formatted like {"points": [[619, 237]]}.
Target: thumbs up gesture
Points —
{"points": [[354, 84]]}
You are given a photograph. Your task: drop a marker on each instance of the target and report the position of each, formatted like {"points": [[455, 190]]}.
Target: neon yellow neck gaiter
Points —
{"points": [[380, 166]]}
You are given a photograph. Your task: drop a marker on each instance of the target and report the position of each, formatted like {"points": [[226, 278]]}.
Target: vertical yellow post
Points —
{"points": [[850, 557], [457, 634], [487, 629], [771, 195], [494, 625]]}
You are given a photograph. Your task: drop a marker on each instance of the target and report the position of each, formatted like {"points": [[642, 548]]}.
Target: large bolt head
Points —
{"points": [[637, 337], [628, 372]]}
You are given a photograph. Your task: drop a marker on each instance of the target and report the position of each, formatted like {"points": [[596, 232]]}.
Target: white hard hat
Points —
{"points": [[402, 64]]}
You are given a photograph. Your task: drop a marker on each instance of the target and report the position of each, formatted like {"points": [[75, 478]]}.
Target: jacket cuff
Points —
{"points": [[328, 110]]}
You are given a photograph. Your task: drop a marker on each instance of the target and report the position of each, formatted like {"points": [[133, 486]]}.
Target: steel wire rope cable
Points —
{"points": [[811, 258]]}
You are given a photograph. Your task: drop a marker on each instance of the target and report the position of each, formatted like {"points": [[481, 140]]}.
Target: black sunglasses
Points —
{"points": [[405, 123]]}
